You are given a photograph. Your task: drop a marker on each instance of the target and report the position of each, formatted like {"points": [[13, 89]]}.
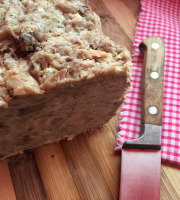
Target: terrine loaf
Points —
{"points": [[59, 75]]}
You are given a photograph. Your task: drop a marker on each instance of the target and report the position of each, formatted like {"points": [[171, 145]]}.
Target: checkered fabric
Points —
{"points": [[157, 18]]}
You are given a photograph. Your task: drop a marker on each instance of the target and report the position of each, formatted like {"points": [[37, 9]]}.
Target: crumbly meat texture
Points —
{"points": [[45, 42], [46, 46]]}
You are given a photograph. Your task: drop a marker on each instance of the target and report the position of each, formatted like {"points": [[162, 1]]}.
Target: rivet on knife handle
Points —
{"points": [[151, 95]]}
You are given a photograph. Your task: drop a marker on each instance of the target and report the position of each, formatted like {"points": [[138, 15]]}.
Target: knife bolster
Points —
{"points": [[149, 139]]}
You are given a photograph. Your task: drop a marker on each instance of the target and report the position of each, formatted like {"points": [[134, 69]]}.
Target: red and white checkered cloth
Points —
{"points": [[157, 18]]}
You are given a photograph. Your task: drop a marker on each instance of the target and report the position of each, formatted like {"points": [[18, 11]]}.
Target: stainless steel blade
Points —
{"points": [[140, 174]]}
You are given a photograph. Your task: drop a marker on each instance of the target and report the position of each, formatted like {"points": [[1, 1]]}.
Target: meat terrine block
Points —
{"points": [[59, 75]]}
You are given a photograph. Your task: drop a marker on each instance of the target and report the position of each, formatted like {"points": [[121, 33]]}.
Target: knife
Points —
{"points": [[141, 157]]}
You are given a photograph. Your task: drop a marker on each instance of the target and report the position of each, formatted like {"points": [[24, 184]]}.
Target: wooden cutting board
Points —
{"points": [[86, 168]]}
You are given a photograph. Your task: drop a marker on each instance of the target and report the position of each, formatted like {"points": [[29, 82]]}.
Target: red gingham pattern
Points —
{"points": [[157, 18]]}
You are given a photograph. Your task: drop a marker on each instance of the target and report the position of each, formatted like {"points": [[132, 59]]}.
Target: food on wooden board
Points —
{"points": [[59, 75]]}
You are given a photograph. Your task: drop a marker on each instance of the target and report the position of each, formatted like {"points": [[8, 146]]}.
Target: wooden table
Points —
{"points": [[87, 167]]}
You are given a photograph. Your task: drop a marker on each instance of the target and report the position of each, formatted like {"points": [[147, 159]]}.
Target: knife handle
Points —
{"points": [[152, 80]]}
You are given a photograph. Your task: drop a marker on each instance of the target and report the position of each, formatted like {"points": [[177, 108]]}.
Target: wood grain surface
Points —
{"points": [[86, 168]]}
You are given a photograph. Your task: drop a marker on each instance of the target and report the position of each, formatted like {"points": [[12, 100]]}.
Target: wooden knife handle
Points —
{"points": [[152, 80]]}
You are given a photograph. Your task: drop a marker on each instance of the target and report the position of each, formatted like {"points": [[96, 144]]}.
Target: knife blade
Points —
{"points": [[141, 157]]}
